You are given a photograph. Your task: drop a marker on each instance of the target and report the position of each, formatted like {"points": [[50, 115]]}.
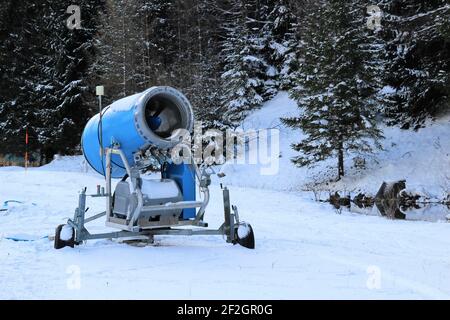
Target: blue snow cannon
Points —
{"points": [[130, 138], [137, 122], [150, 119]]}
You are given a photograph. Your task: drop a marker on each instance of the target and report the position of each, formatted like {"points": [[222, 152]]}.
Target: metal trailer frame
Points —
{"points": [[128, 226]]}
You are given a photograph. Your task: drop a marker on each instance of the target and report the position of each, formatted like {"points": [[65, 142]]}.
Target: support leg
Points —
{"points": [[229, 217]]}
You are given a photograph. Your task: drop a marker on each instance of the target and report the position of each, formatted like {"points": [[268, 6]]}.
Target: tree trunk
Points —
{"points": [[124, 55], [49, 154], [41, 157], [340, 159]]}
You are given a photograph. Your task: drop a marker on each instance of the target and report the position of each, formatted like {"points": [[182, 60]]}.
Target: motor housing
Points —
{"points": [[154, 192]]}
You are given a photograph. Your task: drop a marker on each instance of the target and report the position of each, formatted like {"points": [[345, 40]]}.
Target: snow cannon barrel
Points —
{"points": [[150, 118]]}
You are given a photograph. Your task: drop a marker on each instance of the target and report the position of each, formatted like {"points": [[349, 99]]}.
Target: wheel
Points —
{"points": [[64, 237], [245, 236]]}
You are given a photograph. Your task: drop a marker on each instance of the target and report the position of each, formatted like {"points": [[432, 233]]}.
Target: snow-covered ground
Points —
{"points": [[304, 249]]}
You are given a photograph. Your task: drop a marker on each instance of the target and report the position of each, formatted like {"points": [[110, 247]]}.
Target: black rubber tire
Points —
{"points": [[249, 240], [59, 244]]}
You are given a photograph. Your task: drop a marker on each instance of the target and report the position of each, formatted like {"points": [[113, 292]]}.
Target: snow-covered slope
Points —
{"points": [[289, 177], [422, 158]]}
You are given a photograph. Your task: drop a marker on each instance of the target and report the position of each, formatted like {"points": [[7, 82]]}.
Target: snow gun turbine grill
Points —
{"points": [[128, 139]]}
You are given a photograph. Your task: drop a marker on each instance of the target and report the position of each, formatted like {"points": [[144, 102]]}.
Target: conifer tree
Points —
{"points": [[417, 35], [282, 40], [242, 76], [335, 85], [46, 89]]}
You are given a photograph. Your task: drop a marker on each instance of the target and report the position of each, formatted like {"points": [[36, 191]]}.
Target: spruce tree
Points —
{"points": [[282, 40], [67, 102], [336, 84], [136, 46], [46, 76], [21, 54], [202, 82], [242, 75], [417, 35]]}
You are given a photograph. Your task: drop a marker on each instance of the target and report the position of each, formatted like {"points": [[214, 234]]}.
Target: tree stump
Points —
{"points": [[388, 199]]}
